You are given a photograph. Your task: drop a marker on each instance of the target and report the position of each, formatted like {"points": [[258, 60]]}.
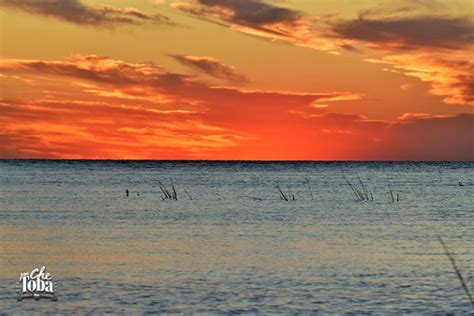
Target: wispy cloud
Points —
{"points": [[211, 67], [77, 12], [262, 19]]}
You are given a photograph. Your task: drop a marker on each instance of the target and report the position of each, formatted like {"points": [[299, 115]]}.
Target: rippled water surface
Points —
{"points": [[231, 244]]}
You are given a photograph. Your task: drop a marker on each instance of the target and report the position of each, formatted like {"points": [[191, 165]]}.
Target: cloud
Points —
{"points": [[211, 67], [409, 32], [413, 38], [125, 75], [450, 75], [116, 109], [253, 12], [111, 108], [424, 137], [79, 129], [263, 20], [412, 136], [93, 68], [433, 48], [75, 11]]}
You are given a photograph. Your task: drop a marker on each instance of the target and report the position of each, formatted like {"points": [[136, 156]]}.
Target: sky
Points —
{"points": [[237, 79]]}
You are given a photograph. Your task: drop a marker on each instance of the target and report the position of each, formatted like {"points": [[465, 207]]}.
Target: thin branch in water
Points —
{"points": [[189, 195], [175, 195], [352, 188], [290, 194], [456, 270], [364, 191], [282, 195], [391, 192]]}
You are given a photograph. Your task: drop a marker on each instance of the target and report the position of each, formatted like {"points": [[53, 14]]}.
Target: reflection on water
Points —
{"points": [[236, 247]]}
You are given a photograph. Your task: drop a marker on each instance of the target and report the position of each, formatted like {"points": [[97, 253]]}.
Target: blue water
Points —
{"points": [[231, 244]]}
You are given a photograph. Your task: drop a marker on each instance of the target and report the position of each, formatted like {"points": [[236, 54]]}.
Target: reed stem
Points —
{"points": [[457, 271]]}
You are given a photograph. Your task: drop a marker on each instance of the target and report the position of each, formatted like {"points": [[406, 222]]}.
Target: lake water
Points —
{"points": [[231, 244]]}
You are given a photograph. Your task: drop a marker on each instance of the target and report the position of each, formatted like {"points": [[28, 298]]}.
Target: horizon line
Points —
{"points": [[230, 160]]}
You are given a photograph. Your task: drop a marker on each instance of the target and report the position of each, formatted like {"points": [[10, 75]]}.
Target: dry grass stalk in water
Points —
{"points": [[392, 196], [169, 194], [189, 195], [457, 271], [361, 192], [286, 197]]}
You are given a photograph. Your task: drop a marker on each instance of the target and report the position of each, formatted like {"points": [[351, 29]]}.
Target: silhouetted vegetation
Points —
{"points": [[288, 196], [360, 190], [394, 197], [168, 193]]}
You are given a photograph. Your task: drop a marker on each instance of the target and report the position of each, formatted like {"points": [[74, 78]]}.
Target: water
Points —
{"points": [[236, 247]]}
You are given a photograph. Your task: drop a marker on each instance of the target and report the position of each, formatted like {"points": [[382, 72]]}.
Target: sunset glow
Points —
{"points": [[233, 79]]}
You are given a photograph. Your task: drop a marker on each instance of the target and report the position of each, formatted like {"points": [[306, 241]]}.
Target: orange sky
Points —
{"points": [[237, 79]]}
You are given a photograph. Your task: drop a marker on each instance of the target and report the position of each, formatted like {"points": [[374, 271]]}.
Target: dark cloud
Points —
{"points": [[20, 144], [414, 136], [263, 20], [211, 67], [409, 32], [254, 12], [433, 48], [431, 138], [74, 11]]}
